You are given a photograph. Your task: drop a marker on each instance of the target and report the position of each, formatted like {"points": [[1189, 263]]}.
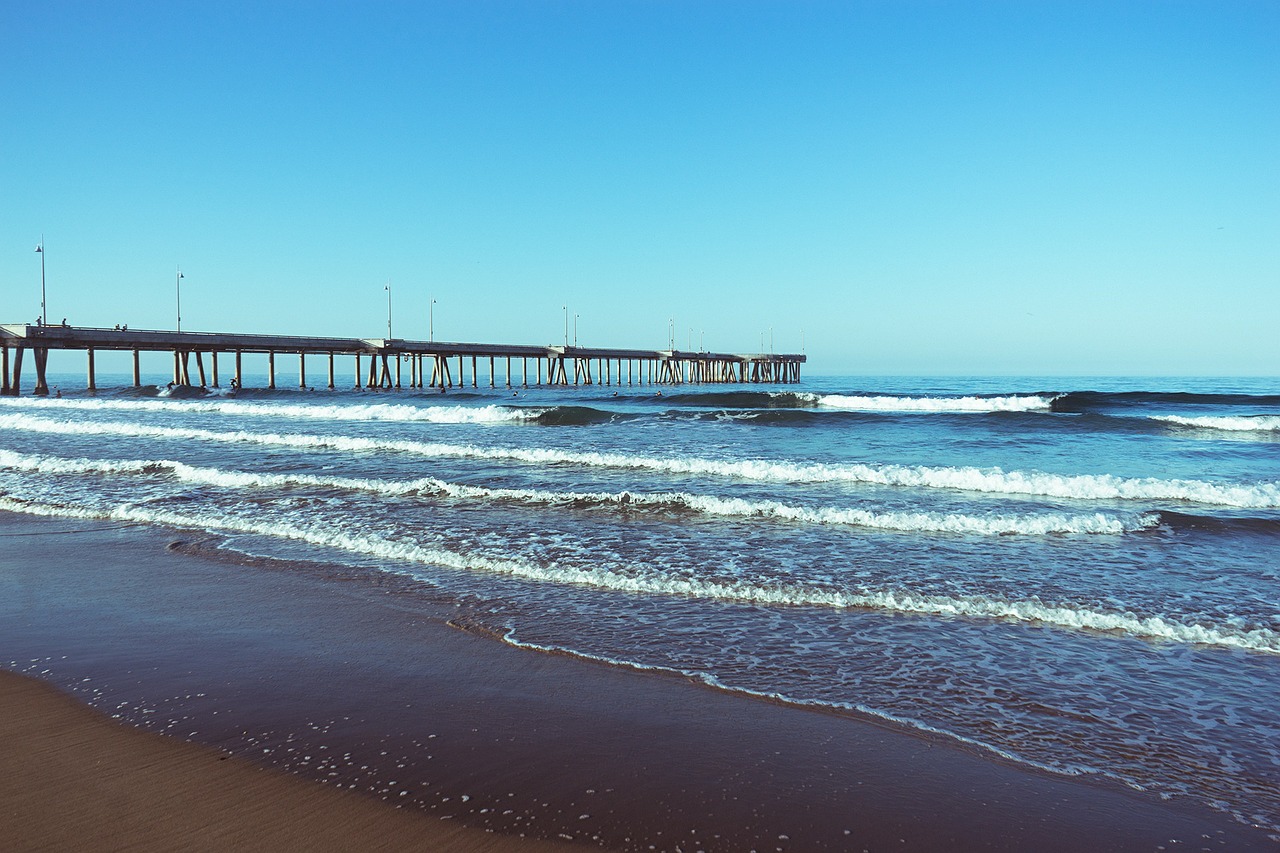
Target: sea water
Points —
{"points": [[1077, 575]]}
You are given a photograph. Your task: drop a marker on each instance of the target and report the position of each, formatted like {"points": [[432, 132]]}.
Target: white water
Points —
{"points": [[648, 580], [1239, 423], [936, 405], [390, 412], [986, 525], [988, 480]]}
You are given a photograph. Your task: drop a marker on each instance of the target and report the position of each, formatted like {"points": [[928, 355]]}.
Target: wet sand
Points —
{"points": [[359, 681], [72, 779]]}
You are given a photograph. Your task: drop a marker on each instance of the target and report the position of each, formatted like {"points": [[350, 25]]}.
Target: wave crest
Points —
{"points": [[1011, 403], [1001, 524], [643, 580], [1230, 423], [393, 412], [986, 480]]}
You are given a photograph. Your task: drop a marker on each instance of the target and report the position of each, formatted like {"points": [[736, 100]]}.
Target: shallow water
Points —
{"points": [[1078, 575]]}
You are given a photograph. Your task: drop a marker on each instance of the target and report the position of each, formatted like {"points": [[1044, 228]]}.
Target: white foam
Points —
{"points": [[56, 465], [987, 480], [984, 525], [394, 412], [644, 579], [1236, 423], [1013, 403]]}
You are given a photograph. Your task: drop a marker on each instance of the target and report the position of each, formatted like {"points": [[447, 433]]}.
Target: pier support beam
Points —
{"points": [[239, 374], [42, 360], [92, 385], [302, 370], [271, 369], [200, 367], [4, 382], [330, 371], [137, 369], [16, 387]]}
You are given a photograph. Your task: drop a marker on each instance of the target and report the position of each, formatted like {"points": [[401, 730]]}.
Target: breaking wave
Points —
{"points": [[1232, 423], [986, 480], [393, 412], [643, 579], [984, 525], [1013, 403]]}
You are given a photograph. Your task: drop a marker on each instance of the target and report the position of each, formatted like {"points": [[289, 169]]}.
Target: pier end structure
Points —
{"points": [[431, 364]]}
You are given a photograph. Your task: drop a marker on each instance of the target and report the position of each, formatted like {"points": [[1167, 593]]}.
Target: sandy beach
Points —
{"points": [[361, 683], [71, 779]]}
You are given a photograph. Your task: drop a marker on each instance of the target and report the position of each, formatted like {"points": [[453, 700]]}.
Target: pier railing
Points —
{"points": [[383, 362]]}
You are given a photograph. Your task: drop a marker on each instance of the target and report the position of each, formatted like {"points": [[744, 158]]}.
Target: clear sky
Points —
{"points": [[1028, 187]]}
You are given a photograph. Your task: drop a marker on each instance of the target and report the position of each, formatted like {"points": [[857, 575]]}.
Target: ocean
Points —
{"points": [[1075, 575]]}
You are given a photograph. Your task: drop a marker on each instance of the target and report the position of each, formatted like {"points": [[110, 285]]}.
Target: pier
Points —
{"points": [[388, 363]]}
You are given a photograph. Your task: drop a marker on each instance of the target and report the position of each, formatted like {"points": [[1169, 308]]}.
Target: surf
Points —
{"points": [[642, 579], [997, 524], [1087, 487]]}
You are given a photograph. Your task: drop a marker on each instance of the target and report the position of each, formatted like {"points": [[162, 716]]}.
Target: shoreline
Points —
{"points": [[365, 685]]}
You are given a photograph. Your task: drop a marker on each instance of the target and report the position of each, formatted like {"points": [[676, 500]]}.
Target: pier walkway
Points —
{"points": [[390, 362]]}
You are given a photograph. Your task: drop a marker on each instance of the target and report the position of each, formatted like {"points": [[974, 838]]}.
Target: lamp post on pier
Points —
{"points": [[177, 284], [431, 322], [566, 326], [44, 311], [388, 290]]}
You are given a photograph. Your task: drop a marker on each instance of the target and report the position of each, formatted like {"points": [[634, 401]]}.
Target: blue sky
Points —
{"points": [[917, 187]]}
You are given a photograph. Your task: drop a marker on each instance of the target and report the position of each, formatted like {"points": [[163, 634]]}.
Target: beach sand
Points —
{"points": [[360, 682], [72, 779]]}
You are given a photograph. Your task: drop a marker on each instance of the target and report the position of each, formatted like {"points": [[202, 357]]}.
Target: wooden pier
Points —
{"points": [[389, 362]]}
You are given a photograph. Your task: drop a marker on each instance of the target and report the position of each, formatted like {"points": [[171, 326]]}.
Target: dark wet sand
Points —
{"points": [[359, 682], [72, 779]]}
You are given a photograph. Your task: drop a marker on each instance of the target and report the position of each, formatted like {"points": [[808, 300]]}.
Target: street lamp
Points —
{"points": [[431, 321], [44, 313], [388, 290], [566, 326], [575, 330], [177, 284]]}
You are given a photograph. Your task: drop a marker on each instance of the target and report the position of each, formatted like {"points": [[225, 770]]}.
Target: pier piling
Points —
{"points": [[669, 367]]}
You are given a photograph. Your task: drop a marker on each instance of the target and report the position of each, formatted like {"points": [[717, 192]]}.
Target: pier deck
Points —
{"points": [[387, 359]]}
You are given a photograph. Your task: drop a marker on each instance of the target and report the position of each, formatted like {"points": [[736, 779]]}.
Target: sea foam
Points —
{"points": [[987, 480], [1012, 403], [1233, 423], [995, 524], [645, 579], [392, 412]]}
